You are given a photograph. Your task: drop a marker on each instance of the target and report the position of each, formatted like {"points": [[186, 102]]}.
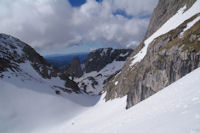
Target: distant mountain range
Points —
{"points": [[73, 73], [63, 60]]}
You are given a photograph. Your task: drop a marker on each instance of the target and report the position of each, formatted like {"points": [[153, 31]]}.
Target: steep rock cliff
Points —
{"points": [[165, 10], [169, 57]]}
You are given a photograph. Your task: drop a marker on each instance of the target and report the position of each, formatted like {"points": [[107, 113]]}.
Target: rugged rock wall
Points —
{"points": [[169, 57], [164, 10], [74, 68]]}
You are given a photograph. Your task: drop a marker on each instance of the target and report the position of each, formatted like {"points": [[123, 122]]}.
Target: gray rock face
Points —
{"points": [[169, 57], [165, 10], [74, 68], [98, 59]]}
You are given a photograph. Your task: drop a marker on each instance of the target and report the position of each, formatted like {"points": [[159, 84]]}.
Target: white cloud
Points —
{"points": [[135, 7], [46, 24]]}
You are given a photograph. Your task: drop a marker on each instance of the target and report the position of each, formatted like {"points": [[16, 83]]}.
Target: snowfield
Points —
{"points": [[23, 110], [100, 77], [175, 109], [29, 104]]}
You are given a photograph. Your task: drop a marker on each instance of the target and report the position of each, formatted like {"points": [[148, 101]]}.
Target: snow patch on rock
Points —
{"points": [[189, 25], [171, 24]]}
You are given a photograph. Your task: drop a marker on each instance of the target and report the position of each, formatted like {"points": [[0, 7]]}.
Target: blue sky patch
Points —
{"points": [[77, 3], [99, 1]]}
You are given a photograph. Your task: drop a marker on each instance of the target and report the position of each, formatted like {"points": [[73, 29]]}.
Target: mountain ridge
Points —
{"points": [[16, 56]]}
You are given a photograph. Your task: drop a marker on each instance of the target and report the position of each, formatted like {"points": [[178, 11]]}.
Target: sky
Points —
{"points": [[71, 26]]}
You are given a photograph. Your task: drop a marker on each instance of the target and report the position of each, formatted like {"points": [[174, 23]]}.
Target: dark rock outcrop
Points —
{"points": [[74, 68], [71, 84], [169, 57]]}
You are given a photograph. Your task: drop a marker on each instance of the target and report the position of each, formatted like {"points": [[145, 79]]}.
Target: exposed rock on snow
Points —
{"points": [[99, 66], [93, 82]]}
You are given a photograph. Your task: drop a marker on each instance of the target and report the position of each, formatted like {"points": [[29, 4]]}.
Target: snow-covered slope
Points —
{"points": [[93, 82], [24, 110], [20, 62], [33, 94], [174, 109]]}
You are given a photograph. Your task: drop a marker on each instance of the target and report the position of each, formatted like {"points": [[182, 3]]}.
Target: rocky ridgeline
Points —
{"points": [[165, 10], [13, 52], [169, 57], [96, 61]]}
